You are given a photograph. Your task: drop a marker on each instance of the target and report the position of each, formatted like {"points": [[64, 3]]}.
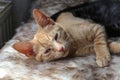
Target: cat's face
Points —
{"points": [[49, 43]]}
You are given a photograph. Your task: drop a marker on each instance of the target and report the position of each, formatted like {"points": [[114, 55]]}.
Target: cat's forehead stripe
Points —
{"points": [[43, 38]]}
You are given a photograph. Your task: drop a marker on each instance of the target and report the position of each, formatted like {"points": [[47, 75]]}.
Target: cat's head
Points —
{"points": [[49, 43]]}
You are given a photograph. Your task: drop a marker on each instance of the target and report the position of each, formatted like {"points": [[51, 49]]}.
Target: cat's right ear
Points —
{"points": [[41, 19]]}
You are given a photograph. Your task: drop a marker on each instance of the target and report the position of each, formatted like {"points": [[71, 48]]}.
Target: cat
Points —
{"points": [[104, 12], [69, 36]]}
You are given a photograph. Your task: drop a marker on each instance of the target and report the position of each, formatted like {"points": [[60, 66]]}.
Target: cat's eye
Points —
{"points": [[48, 50], [56, 36]]}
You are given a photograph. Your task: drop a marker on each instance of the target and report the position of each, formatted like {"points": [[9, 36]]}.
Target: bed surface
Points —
{"points": [[15, 66]]}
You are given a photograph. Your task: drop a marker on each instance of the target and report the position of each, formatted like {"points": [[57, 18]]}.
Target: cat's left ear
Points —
{"points": [[25, 48], [41, 19]]}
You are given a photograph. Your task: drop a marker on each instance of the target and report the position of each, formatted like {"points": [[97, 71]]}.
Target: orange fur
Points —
{"points": [[69, 36], [25, 48]]}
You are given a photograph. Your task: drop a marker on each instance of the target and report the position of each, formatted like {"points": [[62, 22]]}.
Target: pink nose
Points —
{"points": [[62, 49]]}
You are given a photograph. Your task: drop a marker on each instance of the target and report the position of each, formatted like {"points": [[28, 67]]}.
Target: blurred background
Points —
{"points": [[12, 14]]}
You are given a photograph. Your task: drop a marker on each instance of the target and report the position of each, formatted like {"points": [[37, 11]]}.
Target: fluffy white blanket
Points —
{"points": [[16, 66]]}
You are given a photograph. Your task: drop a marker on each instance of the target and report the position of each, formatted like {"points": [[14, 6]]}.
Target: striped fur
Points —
{"points": [[70, 36]]}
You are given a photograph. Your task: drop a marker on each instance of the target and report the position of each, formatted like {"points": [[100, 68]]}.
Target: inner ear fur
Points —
{"points": [[24, 47]]}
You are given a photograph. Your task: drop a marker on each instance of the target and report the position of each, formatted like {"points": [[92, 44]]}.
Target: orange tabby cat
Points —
{"points": [[68, 36]]}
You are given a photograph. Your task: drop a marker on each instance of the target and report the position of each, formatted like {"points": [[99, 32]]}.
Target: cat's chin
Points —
{"points": [[66, 53]]}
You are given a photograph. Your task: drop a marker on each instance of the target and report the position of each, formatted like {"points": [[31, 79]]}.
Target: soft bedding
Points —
{"points": [[16, 66]]}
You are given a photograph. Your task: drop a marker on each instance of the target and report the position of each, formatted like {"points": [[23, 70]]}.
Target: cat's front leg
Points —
{"points": [[103, 56]]}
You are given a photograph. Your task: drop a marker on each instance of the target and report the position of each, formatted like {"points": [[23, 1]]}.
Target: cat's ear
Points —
{"points": [[25, 48], [41, 19]]}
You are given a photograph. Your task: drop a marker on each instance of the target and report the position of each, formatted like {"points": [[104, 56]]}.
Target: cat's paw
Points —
{"points": [[103, 61]]}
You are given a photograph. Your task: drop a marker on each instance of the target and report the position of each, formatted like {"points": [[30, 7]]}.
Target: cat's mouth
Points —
{"points": [[65, 51]]}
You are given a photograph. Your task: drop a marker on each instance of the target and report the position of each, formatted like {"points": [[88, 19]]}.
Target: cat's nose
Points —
{"points": [[62, 49], [59, 47]]}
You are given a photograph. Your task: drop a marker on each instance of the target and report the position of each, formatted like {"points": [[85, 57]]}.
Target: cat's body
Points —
{"points": [[104, 12], [82, 36], [68, 36], [86, 38]]}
